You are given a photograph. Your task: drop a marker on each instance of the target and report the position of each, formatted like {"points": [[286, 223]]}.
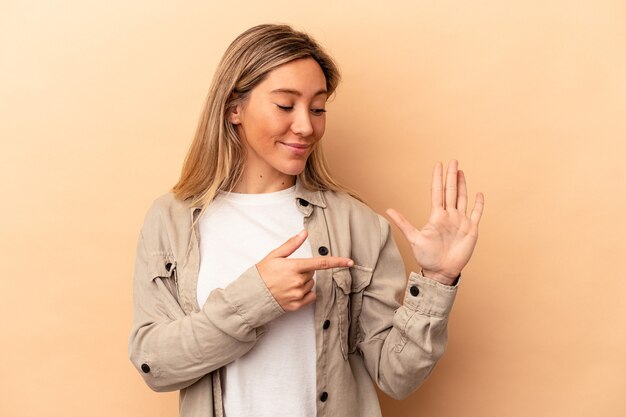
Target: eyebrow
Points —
{"points": [[296, 92]]}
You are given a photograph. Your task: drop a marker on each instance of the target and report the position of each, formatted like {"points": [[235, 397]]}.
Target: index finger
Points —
{"points": [[322, 262]]}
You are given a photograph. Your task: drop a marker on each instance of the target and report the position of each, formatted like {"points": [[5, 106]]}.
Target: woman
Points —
{"points": [[261, 287]]}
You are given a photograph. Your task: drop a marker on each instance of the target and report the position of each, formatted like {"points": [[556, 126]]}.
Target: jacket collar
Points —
{"points": [[313, 197]]}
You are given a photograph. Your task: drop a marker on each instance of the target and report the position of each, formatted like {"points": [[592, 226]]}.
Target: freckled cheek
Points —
{"points": [[273, 125], [264, 132], [266, 121], [319, 128]]}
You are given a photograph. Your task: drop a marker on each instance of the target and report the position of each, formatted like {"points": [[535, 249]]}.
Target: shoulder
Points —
{"points": [[168, 207], [167, 223], [167, 210], [341, 201], [363, 220]]}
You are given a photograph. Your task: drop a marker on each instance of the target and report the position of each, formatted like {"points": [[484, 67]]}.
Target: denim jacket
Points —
{"points": [[365, 331]]}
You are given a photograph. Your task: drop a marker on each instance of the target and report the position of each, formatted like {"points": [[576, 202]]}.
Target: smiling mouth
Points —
{"points": [[296, 148]]}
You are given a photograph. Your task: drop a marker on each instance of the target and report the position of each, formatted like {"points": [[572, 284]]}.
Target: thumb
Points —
{"points": [[290, 246], [403, 224]]}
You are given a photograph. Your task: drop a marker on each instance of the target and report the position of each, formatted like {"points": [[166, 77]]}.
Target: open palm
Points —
{"points": [[445, 244]]}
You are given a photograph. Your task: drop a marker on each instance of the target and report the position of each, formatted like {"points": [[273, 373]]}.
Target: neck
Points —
{"points": [[261, 183]]}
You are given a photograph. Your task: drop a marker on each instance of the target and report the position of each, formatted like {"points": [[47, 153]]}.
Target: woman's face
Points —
{"points": [[282, 119]]}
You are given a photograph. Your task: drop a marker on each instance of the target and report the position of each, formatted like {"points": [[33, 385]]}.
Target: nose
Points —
{"points": [[302, 123]]}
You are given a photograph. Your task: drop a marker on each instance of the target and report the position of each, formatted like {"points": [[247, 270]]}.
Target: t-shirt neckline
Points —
{"points": [[262, 198]]}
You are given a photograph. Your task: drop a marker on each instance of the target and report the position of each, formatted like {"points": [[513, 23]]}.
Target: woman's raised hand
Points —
{"points": [[290, 280], [445, 244]]}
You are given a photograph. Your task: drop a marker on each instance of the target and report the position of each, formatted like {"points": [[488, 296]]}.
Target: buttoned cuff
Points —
{"points": [[252, 300], [428, 296]]}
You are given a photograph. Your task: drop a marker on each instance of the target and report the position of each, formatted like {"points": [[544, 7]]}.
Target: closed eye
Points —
{"points": [[318, 112]]}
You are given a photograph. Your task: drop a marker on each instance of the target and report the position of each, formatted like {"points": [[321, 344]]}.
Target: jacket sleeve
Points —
{"points": [[172, 350], [401, 343]]}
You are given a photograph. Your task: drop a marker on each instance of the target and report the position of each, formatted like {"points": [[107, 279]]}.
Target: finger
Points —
{"points": [[403, 224], [477, 212], [451, 184], [322, 262], [298, 293], [298, 304], [308, 299], [306, 276], [308, 286], [437, 186], [461, 204], [290, 246]]}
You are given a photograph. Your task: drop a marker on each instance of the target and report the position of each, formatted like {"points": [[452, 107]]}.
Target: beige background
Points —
{"points": [[99, 101]]}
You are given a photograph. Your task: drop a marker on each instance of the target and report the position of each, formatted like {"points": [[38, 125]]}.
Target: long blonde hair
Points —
{"points": [[215, 160]]}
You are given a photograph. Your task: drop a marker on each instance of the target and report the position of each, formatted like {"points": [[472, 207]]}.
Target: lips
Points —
{"points": [[296, 148]]}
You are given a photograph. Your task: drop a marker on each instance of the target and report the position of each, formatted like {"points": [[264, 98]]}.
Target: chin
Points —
{"points": [[294, 169]]}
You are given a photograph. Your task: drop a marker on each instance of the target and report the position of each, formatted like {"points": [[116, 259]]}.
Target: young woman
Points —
{"points": [[262, 288]]}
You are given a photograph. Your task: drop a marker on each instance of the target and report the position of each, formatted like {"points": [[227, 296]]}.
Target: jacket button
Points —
{"points": [[303, 202], [326, 324], [323, 396], [168, 266], [323, 250], [414, 291], [145, 368]]}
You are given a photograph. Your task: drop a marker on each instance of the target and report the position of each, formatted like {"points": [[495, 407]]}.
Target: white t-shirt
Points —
{"points": [[277, 376]]}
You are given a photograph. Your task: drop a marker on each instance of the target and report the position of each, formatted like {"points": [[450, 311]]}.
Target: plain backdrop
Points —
{"points": [[99, 102]]}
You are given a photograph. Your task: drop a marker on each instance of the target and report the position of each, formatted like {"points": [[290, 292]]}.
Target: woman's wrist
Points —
{"points": [[442, 278]]}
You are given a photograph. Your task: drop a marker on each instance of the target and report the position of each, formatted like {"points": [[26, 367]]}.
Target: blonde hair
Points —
{"points": [[215, 160]]}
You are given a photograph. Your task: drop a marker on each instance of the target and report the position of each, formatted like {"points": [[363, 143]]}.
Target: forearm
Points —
{"points": [[417, 339], [401, 343], [172, 350]]}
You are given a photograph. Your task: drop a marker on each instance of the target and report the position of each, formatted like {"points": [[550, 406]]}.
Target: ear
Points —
{"points": [[235, 114]]}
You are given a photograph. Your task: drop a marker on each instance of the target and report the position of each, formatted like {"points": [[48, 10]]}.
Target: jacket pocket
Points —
{"points": [[349, 286], [163, 272]]}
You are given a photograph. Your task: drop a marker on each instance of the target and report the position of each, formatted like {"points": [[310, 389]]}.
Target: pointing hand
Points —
{"points": [[291, 280]]}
